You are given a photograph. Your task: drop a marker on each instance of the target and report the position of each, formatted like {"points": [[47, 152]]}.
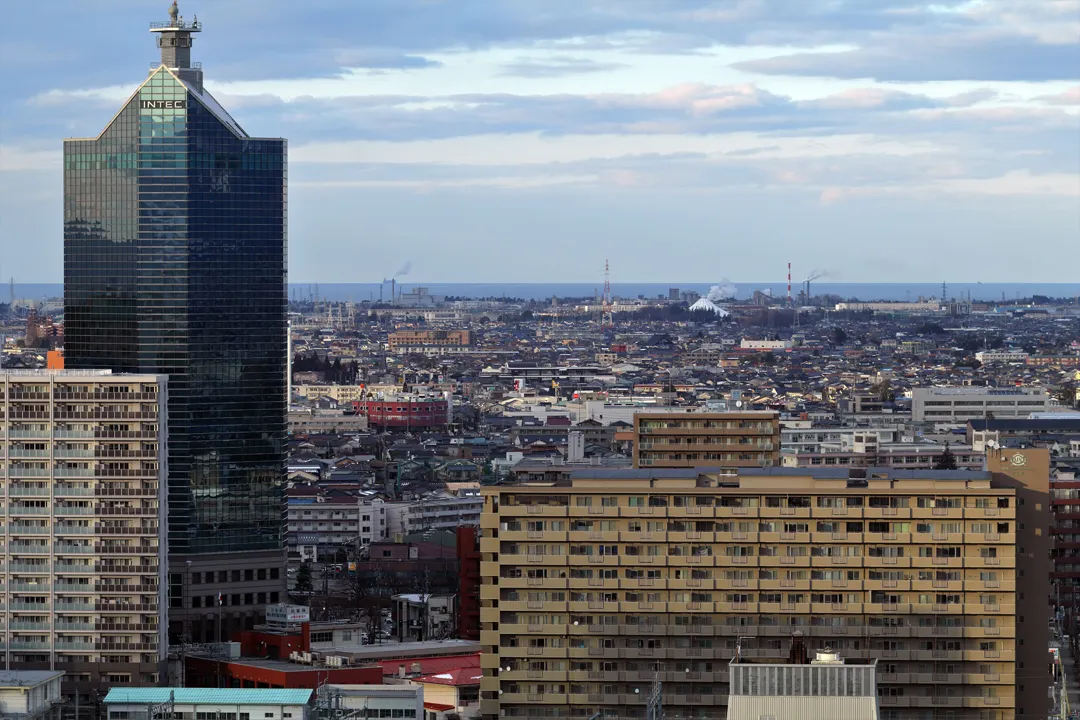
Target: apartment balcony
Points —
{"points": [[691, 512], [902, 608], [65, 568], [19, 605], [41, 491], [897, 585], [704, 561], [888, 631], [15, 452], [106, 490], [73, 645], [35, 626], [125, 588], [939, 563], [124, 608], [555, 511], [60, 491], [604, 536], [996, 514], [937, 632], [737, 513], [15, 471], [784, 561], [873, 513], [932, 586], [593, 511], [1003, 631], [836, 538], [27, 645], [1006, 700], [937, 609]]}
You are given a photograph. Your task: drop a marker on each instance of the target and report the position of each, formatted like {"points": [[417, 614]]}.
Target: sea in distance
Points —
{"points": [[359, 292]]}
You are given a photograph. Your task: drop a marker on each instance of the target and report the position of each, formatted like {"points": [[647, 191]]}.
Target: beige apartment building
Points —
{"points": [[82, 468], [692, 439], [595, 584], [419, 338]]}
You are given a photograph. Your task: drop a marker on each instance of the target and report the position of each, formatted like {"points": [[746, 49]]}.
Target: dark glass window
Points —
{"points": [[175, 263]]}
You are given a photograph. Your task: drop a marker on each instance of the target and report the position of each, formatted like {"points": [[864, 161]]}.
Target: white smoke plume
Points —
{"points": [[723, 292], [405, 269]]}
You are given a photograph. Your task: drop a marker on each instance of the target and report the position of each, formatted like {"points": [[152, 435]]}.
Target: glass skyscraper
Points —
{"points": [[175, 262]]}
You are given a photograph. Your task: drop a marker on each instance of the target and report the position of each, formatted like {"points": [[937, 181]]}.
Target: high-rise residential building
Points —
{"points": [[83, 465], [596, 584], [691, 439], [175, 263]]}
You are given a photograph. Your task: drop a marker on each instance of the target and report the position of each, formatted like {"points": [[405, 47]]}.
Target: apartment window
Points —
{"points": [[249, 575], [249, 598], [275, 573], [235, 599], [236, 576], [275, 597], [262, 573], [196, 578]]}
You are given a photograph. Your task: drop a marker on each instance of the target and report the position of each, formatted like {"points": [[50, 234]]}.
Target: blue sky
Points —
{"points": [[528, 140]]}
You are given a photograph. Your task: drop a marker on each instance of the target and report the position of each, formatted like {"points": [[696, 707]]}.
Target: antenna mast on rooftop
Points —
{"points": [[607, 317]]}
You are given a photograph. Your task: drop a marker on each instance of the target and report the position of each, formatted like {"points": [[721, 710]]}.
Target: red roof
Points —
{"points": [[457, 678], [433, 665], [437, 707]]}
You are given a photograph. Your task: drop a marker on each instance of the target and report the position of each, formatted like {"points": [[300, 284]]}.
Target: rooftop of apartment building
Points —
{"points": [[855, 477]]}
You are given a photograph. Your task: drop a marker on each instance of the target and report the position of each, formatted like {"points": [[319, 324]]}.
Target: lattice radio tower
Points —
{"points": [[607, 318]]}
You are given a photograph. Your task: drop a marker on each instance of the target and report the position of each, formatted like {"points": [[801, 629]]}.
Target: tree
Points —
{"points": [[839, 337], [303, 578], [883, 390], [1066, 393], [946, 460]]}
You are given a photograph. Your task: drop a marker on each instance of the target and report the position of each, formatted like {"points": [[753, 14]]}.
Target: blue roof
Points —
{"points": [[209, 696]]}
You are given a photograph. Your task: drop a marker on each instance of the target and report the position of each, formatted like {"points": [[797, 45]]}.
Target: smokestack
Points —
{"points": [[789, 283], [393, 290]]}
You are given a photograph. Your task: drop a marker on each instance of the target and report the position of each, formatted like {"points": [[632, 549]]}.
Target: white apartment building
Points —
{"points": [[82, 488], [1001, 356], [316, 525], [748, 344], [855, 439], [957, 405], [435, 512]]}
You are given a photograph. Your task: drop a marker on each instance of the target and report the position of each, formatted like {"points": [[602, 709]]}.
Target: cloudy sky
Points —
{"points": [[528, 140]]}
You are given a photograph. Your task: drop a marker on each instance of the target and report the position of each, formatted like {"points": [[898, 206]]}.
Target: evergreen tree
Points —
{"points": [[303, 578], [946, 460]]}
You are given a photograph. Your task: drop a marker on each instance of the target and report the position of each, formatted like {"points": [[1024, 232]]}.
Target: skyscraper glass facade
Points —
{"points": [[175, 263]]}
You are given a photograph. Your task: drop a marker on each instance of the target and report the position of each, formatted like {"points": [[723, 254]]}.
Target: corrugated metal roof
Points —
{"points": [[209, 696]]}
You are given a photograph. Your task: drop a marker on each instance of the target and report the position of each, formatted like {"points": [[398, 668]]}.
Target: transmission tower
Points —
{"points": [[607, 318]]}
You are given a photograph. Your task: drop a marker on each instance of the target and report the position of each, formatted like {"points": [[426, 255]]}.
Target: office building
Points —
{"points": [[957, 405], [703, 439], [82, 561], [596, 584], [174, 263]]}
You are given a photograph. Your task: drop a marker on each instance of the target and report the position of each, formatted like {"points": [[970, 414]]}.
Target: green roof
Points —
{"points": [[203, 696]]}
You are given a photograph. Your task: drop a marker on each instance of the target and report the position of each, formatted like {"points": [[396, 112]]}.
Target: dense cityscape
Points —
{"points": [[226, 497]]}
